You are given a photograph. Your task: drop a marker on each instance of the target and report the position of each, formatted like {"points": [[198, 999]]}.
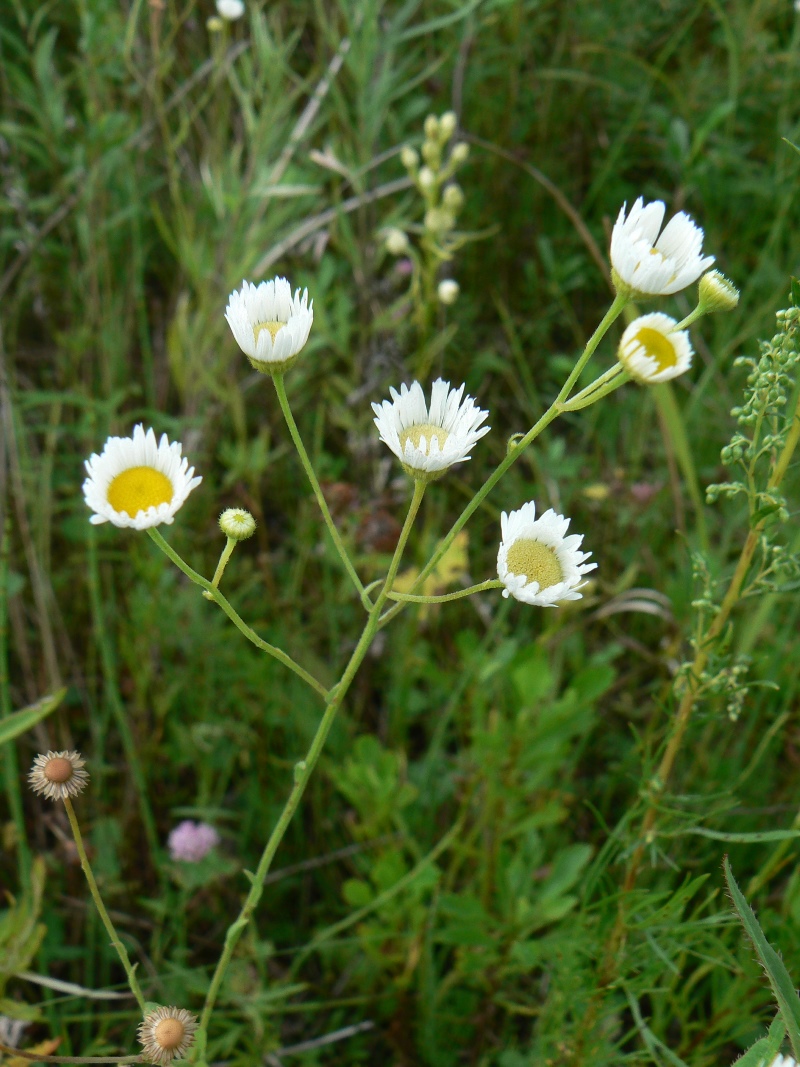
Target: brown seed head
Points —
{"points": [[169, 1033], [58, 770]]}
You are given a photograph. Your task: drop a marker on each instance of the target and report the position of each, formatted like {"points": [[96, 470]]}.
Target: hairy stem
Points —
{"points": [[302, 773], [130, 970], [233, 615]]}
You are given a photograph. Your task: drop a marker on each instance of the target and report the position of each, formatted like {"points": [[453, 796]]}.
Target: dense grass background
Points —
{"points": [[451, 881]]}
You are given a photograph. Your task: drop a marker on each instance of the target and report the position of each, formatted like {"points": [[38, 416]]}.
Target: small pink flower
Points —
{"points": [[404, 267], [191, 841]]}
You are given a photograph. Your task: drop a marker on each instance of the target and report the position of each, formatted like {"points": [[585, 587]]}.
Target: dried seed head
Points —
{"points": [[166, 1034], [57, 775]]}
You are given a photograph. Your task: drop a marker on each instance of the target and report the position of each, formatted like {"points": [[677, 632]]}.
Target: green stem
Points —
{"points": [[302, 773], [558, 406], [692, 317], [130, 970], [619, 302], [225, 555], [491, 583], [234, 616], [607, 383], [280, 389]]}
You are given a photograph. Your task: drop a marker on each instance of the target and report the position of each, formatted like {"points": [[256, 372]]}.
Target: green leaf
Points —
{"points": [[766, 1048], [740, 838], [20, 721], [779, 978]]}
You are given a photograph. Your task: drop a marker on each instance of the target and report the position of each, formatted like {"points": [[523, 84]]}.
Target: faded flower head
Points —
{"points": [[166, 1034], [428, 440], [237, 524], [651, 264], [57, 775], [652, 350], [191, 842], [138, 482], [537, 562], [270, 325]]}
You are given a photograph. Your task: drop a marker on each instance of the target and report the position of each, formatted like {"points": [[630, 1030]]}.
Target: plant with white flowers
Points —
{"points": [[141, 483]]}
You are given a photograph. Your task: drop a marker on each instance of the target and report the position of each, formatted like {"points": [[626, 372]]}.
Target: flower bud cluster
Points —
{"points": [[432, 170]]}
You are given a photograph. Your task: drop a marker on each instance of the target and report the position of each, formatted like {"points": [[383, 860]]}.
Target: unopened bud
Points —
{"points": [[459, 154], [230, 10], [409, 157], [396, 241], [431, 128], [716, 293], [426, 178], [431, 152], [447, 125], [438, 221], [453, 198], [237, 524], [448, 291]]}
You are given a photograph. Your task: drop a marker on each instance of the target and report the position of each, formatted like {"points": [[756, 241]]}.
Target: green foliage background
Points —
{"points": [[451, 882]]}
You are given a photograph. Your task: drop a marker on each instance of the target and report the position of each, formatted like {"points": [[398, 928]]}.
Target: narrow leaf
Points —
{"points": [[779, 979], [20, 721]]}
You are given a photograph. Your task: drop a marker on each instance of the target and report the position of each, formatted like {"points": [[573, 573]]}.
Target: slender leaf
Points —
{"points": [[779, 979], [20, 721]]}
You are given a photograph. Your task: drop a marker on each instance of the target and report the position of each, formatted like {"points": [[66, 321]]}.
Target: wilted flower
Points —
{"points": [[270, 326], [191, 841], [166, 1034], [652, 350], [537, 562], [57, 775], [428, 441], [647, 263], [138, 482]]}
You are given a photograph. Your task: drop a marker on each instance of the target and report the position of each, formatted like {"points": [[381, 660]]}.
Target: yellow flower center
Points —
{"points": [[414, 434], [657, 346], [536, 561], [169, 1033], [139, 488], [58, 770], [273, 328]]}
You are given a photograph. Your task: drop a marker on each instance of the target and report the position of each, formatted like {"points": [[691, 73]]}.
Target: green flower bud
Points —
{"points": [[716, 293], [237, 524]]}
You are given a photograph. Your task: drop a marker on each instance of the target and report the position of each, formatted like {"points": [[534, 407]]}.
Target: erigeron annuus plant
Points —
{"points": [[141, 483]]}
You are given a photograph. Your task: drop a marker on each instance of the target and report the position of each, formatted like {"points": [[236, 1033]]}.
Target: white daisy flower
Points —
{"points": [[429, 440], [138, 482], [652, 350], [270, 326], [537, 563], [655, 265]]}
